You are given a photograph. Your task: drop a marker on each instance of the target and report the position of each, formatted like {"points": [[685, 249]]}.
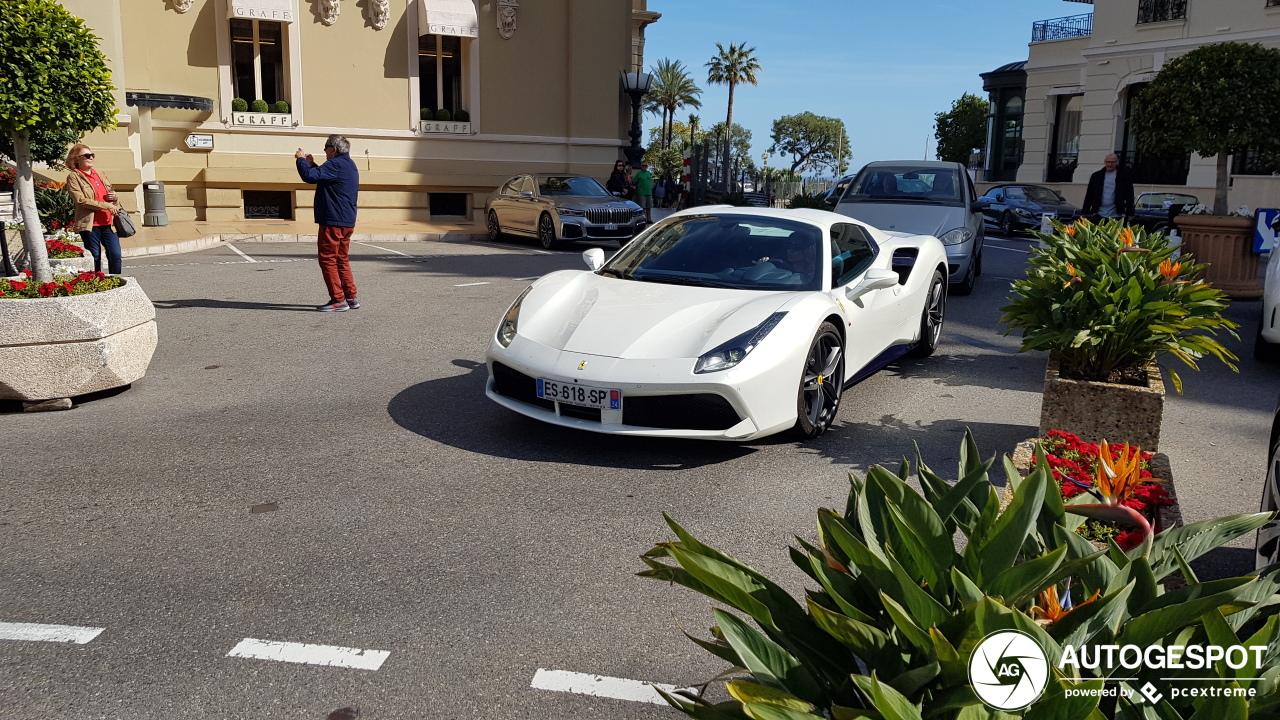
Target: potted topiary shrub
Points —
{"points": [[462, 116], [280, 106], [905, 591], [1107, 301], [428, 114], [443, 115], [259, 106], [240, 105], [1217, 100]]}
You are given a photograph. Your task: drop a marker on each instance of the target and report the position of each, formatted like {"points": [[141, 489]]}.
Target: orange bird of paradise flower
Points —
{"points": [[1070, 230], [1119, 474], [1075, 277], [1170, 270], [1126, 237], [1049, 608]]}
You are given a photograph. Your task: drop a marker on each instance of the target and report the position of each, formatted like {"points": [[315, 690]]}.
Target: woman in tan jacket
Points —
{"points": [[95, 208]]}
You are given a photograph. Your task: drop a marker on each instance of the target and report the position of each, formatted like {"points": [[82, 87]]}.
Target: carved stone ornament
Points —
{"points": [[182, 5], [379, 13], [329, 11], [507, 18]]}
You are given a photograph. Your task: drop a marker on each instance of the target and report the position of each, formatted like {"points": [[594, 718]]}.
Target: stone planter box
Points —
{"points": [[1099, 411], [62, 347], [1166, 517], [1226, 244]]}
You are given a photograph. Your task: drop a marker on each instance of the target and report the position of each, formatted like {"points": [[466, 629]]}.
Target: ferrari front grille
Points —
{"points": [[518, 386], [704, 411]]}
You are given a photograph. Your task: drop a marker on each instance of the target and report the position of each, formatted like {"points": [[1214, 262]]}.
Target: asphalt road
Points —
{"points": [[414, 517]]}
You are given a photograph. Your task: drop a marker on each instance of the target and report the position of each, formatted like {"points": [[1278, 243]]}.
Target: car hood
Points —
{"points": [[906, 217], [582, 312], [575, 201], [1049, 207]]}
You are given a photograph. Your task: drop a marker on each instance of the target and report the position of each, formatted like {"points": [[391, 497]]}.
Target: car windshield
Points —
{"points": [[745, 252], [885, 183], [573, 185], [1042, 195], [1162, 201]]}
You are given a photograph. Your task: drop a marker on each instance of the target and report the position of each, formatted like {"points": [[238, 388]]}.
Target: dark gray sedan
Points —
{"points": [[1020, 207], [553, 208]]}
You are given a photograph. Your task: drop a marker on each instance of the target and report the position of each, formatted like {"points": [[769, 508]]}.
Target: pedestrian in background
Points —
{"points": [[337, 183], [1110, 193], [644, 191], [660, 193], [617, 182], [629, 183], [95, 204]]}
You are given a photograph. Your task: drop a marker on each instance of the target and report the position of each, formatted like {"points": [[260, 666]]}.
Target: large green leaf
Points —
{"points": [[1149, 627], [1199, 538], [924, 607], [747, 692], [918, 513], [758, 711], [1222, 708], [1021, 581], [769, 663], [906, 625], [1082, 624], [729, 584], [1007, 536], [702, 709], [891, 704], [868, 642], [869, 563], [1055, 704], [913, 681]]}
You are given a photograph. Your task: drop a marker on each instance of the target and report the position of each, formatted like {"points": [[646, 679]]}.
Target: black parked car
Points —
{"points": [[1155, 210], [1019, 207]]}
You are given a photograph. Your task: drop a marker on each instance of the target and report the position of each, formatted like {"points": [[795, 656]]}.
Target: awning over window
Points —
{"points": [[278, 10], [448, 17]]}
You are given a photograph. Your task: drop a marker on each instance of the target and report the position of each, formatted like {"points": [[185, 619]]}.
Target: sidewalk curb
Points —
{"points": [[187, 246]]}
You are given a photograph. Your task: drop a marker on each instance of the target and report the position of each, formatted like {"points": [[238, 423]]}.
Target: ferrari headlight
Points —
{"points": [[957, 236], [571, 212], [507, 329], [736, 350]]}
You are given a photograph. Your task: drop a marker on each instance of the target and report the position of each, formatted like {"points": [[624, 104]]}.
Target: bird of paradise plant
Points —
{"points": [[1119, 475]]}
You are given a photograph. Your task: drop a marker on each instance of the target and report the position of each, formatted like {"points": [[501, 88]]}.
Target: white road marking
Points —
{"points": [[219, 262], [531, 277], [599, 686], [471, 284], [1001, 247], [379, 247], [239, 252], [290, 652], [37, 632], [504, 247]]}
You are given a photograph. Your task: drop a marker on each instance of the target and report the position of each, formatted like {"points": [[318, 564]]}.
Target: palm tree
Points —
{"points": [[731, 66], [672, 89]]}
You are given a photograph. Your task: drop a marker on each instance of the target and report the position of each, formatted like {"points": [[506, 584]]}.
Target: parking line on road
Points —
{"points": [[471, 284], [302, 653], [237, 251], [379, 247], [1001, 247], [531, 277], [599, 686], [39, 632]]}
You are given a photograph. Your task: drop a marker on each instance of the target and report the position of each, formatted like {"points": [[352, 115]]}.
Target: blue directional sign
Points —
{"points": [[1266, 230]]}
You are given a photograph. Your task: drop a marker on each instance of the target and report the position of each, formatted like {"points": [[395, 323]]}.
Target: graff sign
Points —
{"points": [[262, 119]]}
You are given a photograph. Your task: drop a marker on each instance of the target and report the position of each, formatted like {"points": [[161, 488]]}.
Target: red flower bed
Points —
{"points": [[1075, 465], [59, 250], [81, 284]]}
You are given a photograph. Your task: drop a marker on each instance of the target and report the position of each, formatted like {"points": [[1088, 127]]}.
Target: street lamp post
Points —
{"points": [[636, 85]]}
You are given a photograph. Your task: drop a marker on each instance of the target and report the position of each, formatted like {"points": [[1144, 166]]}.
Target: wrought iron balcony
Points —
{"points": [[1150, 11], [1150, 168], [1061, 167], [1063, 28]]}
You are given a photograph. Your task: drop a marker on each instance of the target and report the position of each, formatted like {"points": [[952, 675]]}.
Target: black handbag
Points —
{"points": [[124, 224]]}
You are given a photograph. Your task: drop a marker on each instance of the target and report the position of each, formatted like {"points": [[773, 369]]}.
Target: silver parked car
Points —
{"points": [[923, 198], [553, 208]]}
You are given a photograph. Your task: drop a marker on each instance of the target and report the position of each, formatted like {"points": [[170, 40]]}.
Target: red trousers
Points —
{"points": [[333, 245]]}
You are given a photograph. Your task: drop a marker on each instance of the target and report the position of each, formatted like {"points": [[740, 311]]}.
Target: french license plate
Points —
{"points": [[611, 226], [583, 395]]}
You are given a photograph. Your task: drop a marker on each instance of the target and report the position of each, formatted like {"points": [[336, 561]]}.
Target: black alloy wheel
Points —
{"points": [[932, 317], [495, 230], [1006, 224], [1268, 541], [546, 232], [821, 383]]}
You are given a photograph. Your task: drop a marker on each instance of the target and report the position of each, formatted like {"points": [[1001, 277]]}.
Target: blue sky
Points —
{"points": [[883, 66]]}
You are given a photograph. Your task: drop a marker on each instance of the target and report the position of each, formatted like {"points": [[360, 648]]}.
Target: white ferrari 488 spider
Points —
{"points": [[719, 322]]}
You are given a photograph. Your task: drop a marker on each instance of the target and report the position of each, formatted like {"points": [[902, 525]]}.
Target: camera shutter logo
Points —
{"points": [[1008, 670]]}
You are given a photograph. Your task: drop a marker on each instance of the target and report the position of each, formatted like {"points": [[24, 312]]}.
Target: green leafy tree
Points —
{"points": [[739, 150], [1218, 100], [47, 146], [55, 80], [811, 140], [673, 88], [666, 162], [962, 129], [732, 66]]}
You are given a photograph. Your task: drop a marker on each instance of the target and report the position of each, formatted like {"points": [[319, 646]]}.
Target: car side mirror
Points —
{"points": [[594, 258], [526, 193], [617, 194], [873, 280], [979, 206]]}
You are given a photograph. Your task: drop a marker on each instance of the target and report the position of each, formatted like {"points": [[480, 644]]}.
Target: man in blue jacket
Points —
{"points": [[337, 182]]}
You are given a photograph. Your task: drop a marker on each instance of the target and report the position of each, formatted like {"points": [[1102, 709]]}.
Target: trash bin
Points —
{"points": [[154, 214]]}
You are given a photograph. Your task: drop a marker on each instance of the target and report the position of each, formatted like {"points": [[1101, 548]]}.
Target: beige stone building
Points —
{"points": [[1058, 114], [528, 85]]}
